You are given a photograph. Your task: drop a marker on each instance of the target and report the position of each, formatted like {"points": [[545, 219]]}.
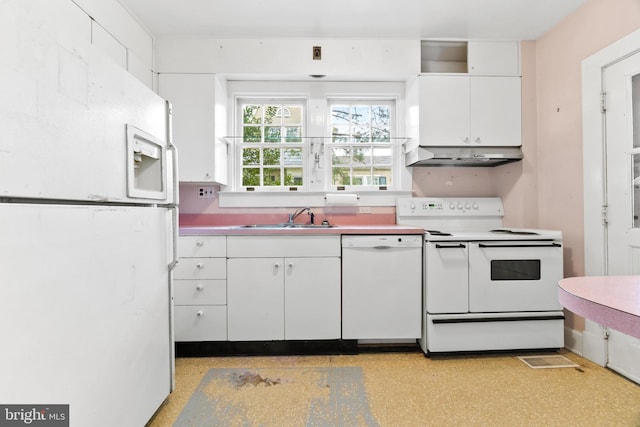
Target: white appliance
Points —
{"points": [[87, 229], [381, 287], [486, 287]]}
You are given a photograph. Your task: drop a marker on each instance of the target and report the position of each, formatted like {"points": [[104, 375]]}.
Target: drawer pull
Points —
{"points": [[199, 243], [200, 265], [199, 287], [199, 313]]}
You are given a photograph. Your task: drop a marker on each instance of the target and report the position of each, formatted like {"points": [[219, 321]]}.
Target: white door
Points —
{"points": [[622, 86]]}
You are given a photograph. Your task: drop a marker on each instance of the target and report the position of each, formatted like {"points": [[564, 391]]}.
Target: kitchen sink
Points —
{"points": [[286, 225]]}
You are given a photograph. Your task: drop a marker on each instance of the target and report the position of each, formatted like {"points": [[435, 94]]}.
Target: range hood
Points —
{"points": [[462, 156]]}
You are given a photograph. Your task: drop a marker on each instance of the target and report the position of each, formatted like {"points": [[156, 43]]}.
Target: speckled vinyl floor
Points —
{"points": [[396, 389]]}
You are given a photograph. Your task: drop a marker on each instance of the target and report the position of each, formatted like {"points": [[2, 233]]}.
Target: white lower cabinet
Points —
{"points": [[200, 289], [283, 288]]}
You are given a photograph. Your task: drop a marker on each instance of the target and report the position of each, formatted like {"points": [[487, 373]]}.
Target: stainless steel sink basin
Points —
{"points": [[285, 225]]}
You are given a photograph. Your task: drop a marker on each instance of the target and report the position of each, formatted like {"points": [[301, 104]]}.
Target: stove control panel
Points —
{"points": [[448, 206]]}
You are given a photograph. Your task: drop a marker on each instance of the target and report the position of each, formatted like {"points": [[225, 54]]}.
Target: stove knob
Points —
{"points": [[475, 205], [467, 206], [412, 206], [452, 206], [459, 205]]}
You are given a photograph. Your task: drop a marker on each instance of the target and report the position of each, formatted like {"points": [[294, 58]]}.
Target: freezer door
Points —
{"points": [[84, 313], [64, 111]]}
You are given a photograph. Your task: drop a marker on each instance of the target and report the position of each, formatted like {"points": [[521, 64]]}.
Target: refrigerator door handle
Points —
{"points": [[174, 179]]}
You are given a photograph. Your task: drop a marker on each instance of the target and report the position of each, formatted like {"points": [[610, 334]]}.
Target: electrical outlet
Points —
{"points": [[206, 193], [365, 209]]}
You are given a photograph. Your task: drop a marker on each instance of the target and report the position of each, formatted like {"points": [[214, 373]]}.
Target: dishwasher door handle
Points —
{"points": [[382, 247]]}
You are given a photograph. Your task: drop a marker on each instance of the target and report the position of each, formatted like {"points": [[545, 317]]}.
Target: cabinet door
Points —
{"points": [[192, 97], [312, 298], [494, 57], [495, 104], [255, 299], [444, 110]]}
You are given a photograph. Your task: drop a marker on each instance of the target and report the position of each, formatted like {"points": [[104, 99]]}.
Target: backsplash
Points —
{"points": [[196, 211]]}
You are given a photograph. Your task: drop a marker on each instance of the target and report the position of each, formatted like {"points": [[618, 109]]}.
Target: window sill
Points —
{"points": [[245, 199]]}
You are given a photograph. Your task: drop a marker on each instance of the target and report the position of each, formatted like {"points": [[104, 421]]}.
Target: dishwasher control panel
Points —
{"points": [[383, 241]]}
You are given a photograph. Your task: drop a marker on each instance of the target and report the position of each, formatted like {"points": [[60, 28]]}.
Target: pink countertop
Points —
{"points": [[234, 230], [612, 301]]}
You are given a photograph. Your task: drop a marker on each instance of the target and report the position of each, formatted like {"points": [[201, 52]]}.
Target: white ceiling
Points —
{"points": [[477, 19]]}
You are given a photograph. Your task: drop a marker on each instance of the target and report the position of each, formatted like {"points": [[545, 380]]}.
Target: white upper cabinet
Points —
{"points": [[470, 94], [500, 58], [202, 156], [494, 58], [470, 110]]}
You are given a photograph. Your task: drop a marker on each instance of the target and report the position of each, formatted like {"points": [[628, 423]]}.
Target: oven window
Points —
{"points": [[515, 269]]}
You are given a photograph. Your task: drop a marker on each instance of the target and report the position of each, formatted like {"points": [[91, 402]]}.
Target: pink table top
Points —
{"points": [[612, 301]]}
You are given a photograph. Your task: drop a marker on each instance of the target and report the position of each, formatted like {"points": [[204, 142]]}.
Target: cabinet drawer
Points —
{"points": [[200, 323], [201, 268], [202, 246], [283, 246], [200, 292]]}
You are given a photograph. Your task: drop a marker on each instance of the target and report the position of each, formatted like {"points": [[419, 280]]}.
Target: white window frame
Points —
{"points": [[317, 95], [393, 144], [240, 144]]}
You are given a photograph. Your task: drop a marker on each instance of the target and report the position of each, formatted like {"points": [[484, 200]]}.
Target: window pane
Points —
{"points": [[293, 176], [252, 134], [340, 115], [250, 156], [382, 176], [294, 134], [271, 176], [292, 156], [340, 133], [341, 176], [381, 116], [271, 156], [341, 156], [362, 156], [382, 156], [380, 134], [360, 115], [250, 177], [252, 114], [272, 134], [360, 134], [271, 114], [362, 176], [292, 115]]}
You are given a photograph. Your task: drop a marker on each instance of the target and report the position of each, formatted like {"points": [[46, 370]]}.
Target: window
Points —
{"points": [[361, 144], [272, 148], [293, 138]]}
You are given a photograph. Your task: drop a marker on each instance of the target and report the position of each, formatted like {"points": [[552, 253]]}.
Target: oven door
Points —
{"points": [[514, 276]]}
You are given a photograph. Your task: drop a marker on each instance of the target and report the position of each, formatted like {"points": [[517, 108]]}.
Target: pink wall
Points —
{"points": [[559, 54]]}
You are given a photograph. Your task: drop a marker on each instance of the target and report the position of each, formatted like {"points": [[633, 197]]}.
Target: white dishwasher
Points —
{"points": [[381, 287]]}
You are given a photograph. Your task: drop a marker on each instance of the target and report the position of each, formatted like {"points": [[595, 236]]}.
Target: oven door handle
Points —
{"points": [[522, 245], [458, 246]]}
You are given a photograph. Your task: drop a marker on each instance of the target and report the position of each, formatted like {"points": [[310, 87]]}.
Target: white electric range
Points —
{"points": [[485, 286]]}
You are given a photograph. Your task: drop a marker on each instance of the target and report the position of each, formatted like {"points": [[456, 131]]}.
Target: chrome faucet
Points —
{"points": [[299, 212]]}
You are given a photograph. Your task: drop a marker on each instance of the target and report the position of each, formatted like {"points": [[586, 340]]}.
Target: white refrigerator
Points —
{"points": [[88, 223]]}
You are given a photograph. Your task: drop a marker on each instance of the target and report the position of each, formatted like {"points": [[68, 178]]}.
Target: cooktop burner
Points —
{"points": [[522, 232]]}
